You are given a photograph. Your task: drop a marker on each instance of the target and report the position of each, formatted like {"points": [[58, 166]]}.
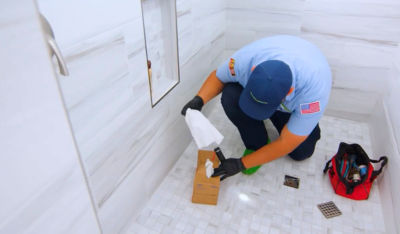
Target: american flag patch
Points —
{"points": [[309, 108]]}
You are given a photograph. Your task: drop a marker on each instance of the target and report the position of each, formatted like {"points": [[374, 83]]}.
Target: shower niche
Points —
{"points": [[160, 31]]}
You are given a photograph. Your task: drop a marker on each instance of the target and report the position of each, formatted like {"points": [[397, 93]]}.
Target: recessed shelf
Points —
{"points": [[159, 22]]}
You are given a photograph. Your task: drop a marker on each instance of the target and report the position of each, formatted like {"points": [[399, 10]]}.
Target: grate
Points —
{"points": [[291, 181], [329, 209]]}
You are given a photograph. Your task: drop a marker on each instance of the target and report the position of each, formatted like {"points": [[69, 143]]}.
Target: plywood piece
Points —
{"points": [[205, 190]]}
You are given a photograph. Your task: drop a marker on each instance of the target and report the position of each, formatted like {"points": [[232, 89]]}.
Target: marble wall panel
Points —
{"points": [[392, 97], [120, 136], [356, 66], [359, 42], [104, 99], [244, 25], [43, 187], [288, 6], [74, 20], [198, 25], [351, 103], [251, 20], [384, 143], [374, 21], [363, 8], [388, 143]]}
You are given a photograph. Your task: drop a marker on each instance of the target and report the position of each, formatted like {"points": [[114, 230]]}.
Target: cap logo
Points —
{"points": [[255, 99]]}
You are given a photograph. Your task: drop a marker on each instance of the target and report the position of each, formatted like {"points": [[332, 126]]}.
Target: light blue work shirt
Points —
{"points": [[310, 71]]}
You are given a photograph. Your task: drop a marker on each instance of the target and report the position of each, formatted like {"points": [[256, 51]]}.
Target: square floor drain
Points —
{"points": [[291, 181], [329, 209]]}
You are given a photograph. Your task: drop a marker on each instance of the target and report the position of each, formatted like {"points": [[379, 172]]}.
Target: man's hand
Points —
{"points": [[196, 104], [229, 167]]}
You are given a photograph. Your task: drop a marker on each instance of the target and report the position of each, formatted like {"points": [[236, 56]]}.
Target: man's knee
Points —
{"points": [[307, 148], [302, 154], [230, 98]]}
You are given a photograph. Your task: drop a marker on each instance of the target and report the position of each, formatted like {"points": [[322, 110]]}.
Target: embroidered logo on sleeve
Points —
{"points": [[232, 67], [309, 108]]}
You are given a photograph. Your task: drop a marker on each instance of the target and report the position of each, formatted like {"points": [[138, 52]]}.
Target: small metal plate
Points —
{"points": [[291, 181], [329, 209]]}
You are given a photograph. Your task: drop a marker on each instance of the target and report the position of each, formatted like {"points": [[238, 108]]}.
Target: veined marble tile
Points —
{"points": [[106, 105], [208, 29], [43, 185], [362, 78], [42, 212], [260, 20], [288, 6], [352, 103], [391, 98], [374, 21], [74, 20], [198, 32], [363, 8], [374, 29], [384, 142], [236, 39], [351, 52]]}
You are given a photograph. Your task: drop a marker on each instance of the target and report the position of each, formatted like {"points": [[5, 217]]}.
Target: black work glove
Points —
{"points": [[196, 104], [229, 167]]}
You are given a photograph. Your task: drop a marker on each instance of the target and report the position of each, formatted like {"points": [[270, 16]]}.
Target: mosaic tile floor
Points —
{"points": [[260, 203]]}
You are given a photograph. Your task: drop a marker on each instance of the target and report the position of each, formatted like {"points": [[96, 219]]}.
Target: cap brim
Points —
{"points": [[254, 109]]}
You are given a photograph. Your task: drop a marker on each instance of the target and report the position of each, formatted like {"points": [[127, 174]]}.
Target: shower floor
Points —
{"points": [[260, 203]]}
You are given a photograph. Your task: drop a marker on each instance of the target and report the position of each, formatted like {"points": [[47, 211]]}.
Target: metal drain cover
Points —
{"points": [[291, 181], [329, 209]]}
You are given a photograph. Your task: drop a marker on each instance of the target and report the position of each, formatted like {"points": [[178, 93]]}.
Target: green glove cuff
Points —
{"points": [[251, 170]]}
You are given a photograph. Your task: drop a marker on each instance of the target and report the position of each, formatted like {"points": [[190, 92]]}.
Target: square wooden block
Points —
{"points": [[205, 190]]}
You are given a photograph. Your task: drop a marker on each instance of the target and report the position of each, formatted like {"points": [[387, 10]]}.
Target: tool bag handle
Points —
{"points": [[327, 166], [375, 173]]}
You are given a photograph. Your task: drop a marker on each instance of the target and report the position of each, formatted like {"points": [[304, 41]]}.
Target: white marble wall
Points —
{"points": [[385, 125], [384, 143], [392, 97], [43, 188], [358, 37], [128, 147]]}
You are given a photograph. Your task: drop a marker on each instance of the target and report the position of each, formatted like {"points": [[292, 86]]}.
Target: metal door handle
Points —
{"points": [[52, 46]]}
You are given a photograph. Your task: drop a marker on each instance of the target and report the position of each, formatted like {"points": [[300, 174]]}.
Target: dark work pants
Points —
{"points": [[253, 132]]}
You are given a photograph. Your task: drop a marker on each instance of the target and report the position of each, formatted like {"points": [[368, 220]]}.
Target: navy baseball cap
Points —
{"points": [[268, 85]]}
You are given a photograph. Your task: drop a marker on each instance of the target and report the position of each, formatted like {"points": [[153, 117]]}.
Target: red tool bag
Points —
{"points": [[351, 171]]}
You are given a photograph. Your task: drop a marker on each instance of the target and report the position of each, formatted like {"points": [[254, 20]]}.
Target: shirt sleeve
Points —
{"points": [[303, 126], [224, 74]]}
